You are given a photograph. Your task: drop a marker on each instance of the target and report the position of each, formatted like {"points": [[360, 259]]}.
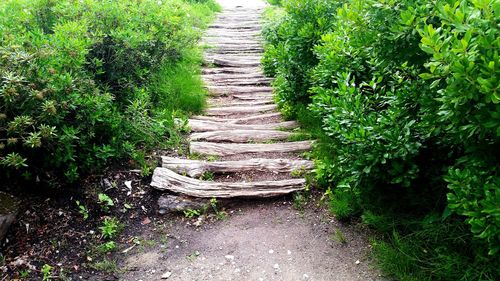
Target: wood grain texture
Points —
{"points": [[166, 179], [240, 136], [196, 168], [227, 149], [226, 110], [230, 90], [241, 120], [206, 126]]}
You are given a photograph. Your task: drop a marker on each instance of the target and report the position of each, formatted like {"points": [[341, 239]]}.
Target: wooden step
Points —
{"points": [[241, 50], [206, 126], [226, 110], [166, 179], [240, 103], [226, 149], [224, 76], [231, 90], [256, 96], [234, 63], [231, 70], [223, 27], [240, 83], [240, 136], [196, 168], [238, 120]]}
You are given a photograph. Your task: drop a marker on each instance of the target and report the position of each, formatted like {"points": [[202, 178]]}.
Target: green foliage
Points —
{"points": [[343, 204], [110, 228], [208, 176], [82, 210], [108, 265], [275, 2], [191, 213], [339, 237], [405, 97], [220, 214], [46, 272], [80, 82], [107, 247], [105, 201]]}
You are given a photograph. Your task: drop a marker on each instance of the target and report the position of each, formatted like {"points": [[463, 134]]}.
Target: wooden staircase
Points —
{"points": [[242, 128]]}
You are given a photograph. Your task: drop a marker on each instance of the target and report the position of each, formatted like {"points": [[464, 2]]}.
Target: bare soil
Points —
{"points": [[258, 240]]}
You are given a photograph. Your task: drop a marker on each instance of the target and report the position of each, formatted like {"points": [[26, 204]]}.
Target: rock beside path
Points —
{"points": [[9, 206]]}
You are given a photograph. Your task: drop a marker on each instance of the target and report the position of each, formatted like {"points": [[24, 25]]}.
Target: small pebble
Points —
{"points": [[276, 266], [166, 275], [271, 251], [357, 262]]}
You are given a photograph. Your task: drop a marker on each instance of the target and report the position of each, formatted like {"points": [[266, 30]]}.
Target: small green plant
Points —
{"points": [[24, 274], [191, 213], [208, 176], [107, 265], [110, 228], [299, 137], [107, 247], [193, 256], [339, 237], [195, 156], [212, 158], [298, 173], [343, 204], [299, 201], [46, 272], [82, 210], [220, 214], [105, 201]]}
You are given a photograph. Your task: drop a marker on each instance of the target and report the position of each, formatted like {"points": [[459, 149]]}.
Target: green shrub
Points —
{"points": [[290, 53], [406, 94], [77, 87]]}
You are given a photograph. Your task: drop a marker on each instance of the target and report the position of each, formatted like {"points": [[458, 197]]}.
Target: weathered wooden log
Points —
{"points": [[240, 136], [237, 58], [256, 96], [225, 51], [228, 63], [227, 149], [206, 126], [241, 103], [240, 120], [230, 70], [224, 76], [234, 40], [232, 33], [166, 179], [236, 80], [239, 83], [236, 27], [226, 110], [196, 168], [231, 90]]}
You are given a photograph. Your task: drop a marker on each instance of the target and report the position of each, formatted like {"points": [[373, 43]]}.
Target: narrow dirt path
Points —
{"points": [[254, 157]]}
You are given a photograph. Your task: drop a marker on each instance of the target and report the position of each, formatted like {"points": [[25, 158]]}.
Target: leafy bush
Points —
{"points": [[406, 94], [76, 80]]}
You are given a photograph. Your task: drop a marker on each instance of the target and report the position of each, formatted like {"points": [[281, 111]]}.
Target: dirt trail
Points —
{"points": [[259, 239]]}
